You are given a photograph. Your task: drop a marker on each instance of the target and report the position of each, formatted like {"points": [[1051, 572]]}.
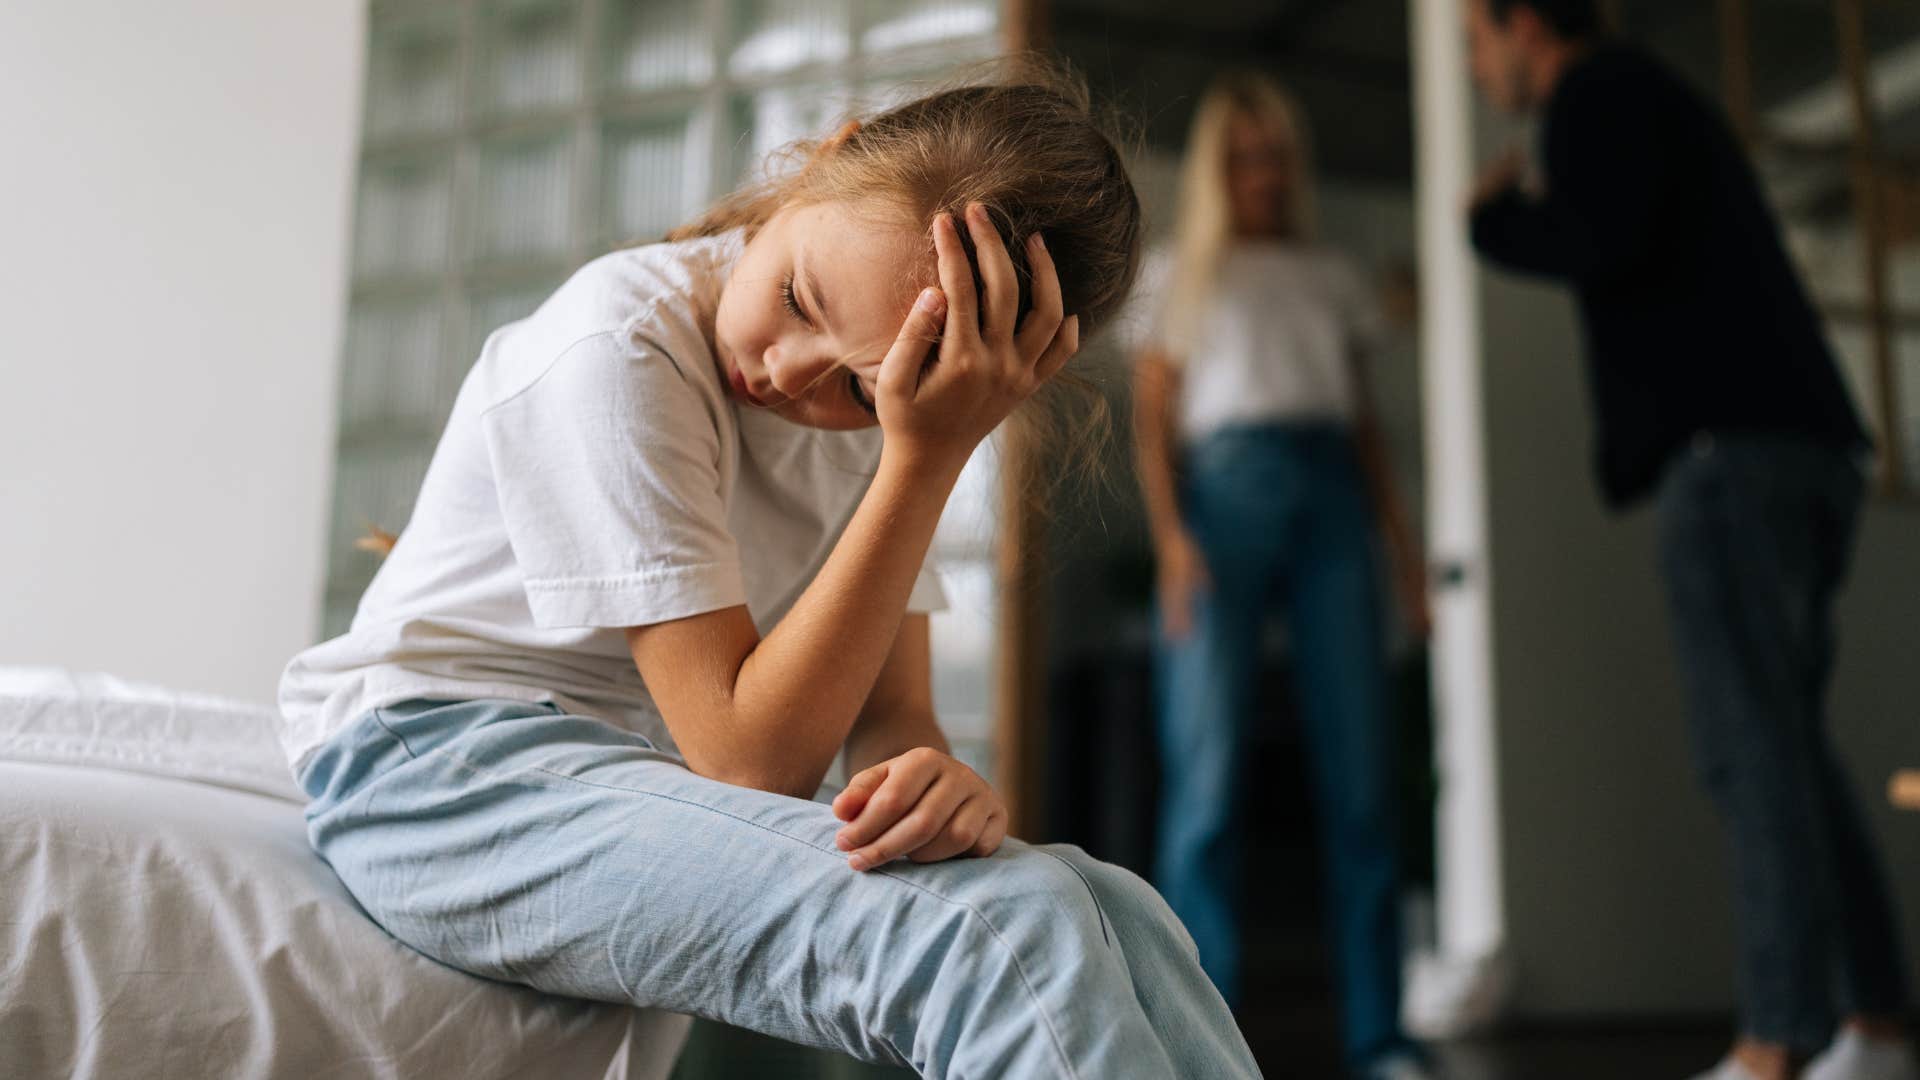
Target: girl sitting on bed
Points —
{"points": [[663, 569]]}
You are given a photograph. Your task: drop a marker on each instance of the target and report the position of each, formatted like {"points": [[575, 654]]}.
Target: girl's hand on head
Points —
{"points": [[941, 407], [924, 805]]}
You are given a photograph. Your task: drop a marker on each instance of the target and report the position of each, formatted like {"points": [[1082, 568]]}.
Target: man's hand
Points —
{"points": [[924, 805]]}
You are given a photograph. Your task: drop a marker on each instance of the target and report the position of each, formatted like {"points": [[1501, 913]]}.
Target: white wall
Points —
{"points": [[176, 191]]}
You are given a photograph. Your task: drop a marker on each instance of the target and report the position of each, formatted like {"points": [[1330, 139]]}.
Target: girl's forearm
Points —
{"points": [[800, 690]]}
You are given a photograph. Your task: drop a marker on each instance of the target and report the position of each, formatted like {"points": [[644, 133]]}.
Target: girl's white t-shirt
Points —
{"points": [[593, 475], [1277, 340]]}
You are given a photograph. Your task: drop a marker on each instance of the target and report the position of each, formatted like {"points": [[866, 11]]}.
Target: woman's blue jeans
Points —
{"points": [[1281, 515], [518, 843]]}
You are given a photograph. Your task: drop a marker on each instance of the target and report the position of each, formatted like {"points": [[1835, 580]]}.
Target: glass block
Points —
{"points": [[643, 187], [531, 58], [658, 43], [962, 648], [393, 364], [338, 617], [780, 35], [402, 223], [771, 118], [972, 517], [525, 193], [975, 752], [878, 94], [492, 307], [413, 79], [374, 487], [903, 24]]}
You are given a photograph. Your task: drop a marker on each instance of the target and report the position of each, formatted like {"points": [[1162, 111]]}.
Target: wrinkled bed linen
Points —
{"points": [[162, 916]]}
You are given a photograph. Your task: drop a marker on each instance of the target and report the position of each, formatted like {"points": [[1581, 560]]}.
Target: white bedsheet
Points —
{"points": [[162, 916]]}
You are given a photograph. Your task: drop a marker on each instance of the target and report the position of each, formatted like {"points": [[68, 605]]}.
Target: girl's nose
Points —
{"points": [[795, 371]]}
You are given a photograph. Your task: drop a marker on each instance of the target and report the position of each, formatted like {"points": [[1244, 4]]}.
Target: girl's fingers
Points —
{"points": [[956, 280], [1065, 344], [903, 790], [1002, 300], [1043, 321], [958, 835], [900, 368], [911, 830], [853, 798], [991, 836]]}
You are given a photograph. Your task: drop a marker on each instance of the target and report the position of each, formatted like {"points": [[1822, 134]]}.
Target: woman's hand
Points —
{"points": [[941, 409], [924, 805], [1182, 577]]}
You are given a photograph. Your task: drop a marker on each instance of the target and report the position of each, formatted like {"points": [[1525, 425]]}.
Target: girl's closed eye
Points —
{"points": [[859, 394], [792, 303]]}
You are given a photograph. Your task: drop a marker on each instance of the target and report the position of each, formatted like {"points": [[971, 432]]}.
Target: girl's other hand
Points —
{"points": [[941, 409], [1182, 577], [924, 805]]}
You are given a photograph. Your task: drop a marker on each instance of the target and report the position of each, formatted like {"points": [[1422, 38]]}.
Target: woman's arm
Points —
{"points": [[1156, 386], [772, 713], [1181, 569]]}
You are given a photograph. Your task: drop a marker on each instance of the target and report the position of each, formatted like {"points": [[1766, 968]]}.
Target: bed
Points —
{"points": [[162, 916]]}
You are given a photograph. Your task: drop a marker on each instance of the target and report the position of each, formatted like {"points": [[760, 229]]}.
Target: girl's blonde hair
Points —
{"points": [[1203, 219], [1018, 136], [1021, 137]]}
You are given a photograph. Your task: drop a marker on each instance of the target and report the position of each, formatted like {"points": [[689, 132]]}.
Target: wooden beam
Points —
{"points": [[1869, 205], [1026, 25], [1019, 644]]}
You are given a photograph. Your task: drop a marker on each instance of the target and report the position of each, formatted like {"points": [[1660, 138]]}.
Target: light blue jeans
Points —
{"points": [[1281, 514], [516, 842]]}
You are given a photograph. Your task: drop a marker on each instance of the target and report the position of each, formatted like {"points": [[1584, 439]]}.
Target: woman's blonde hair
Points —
{"points": [[1203, 218]]}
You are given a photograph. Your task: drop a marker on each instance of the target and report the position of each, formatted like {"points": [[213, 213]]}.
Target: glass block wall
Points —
{"points": [[505, 142]]}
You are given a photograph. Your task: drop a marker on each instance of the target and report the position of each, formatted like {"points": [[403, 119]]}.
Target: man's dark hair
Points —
{"points": [[1574, 20]]}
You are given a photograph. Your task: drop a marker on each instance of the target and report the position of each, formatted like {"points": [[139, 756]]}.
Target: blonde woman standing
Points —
{"points": [[1265, 481]]}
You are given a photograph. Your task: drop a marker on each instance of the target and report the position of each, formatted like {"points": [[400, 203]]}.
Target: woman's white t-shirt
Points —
{"points": [[593, 475], [1277, 339]]}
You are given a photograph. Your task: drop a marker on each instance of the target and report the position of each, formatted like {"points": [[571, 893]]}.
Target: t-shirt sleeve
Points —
{"points": [[608, 471]]}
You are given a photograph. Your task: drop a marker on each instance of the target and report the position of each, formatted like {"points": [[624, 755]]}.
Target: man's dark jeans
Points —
{"points": [[1755, 536]]}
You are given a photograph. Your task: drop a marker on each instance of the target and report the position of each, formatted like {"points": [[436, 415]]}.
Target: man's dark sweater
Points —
{"points": [[1695, 319]]}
